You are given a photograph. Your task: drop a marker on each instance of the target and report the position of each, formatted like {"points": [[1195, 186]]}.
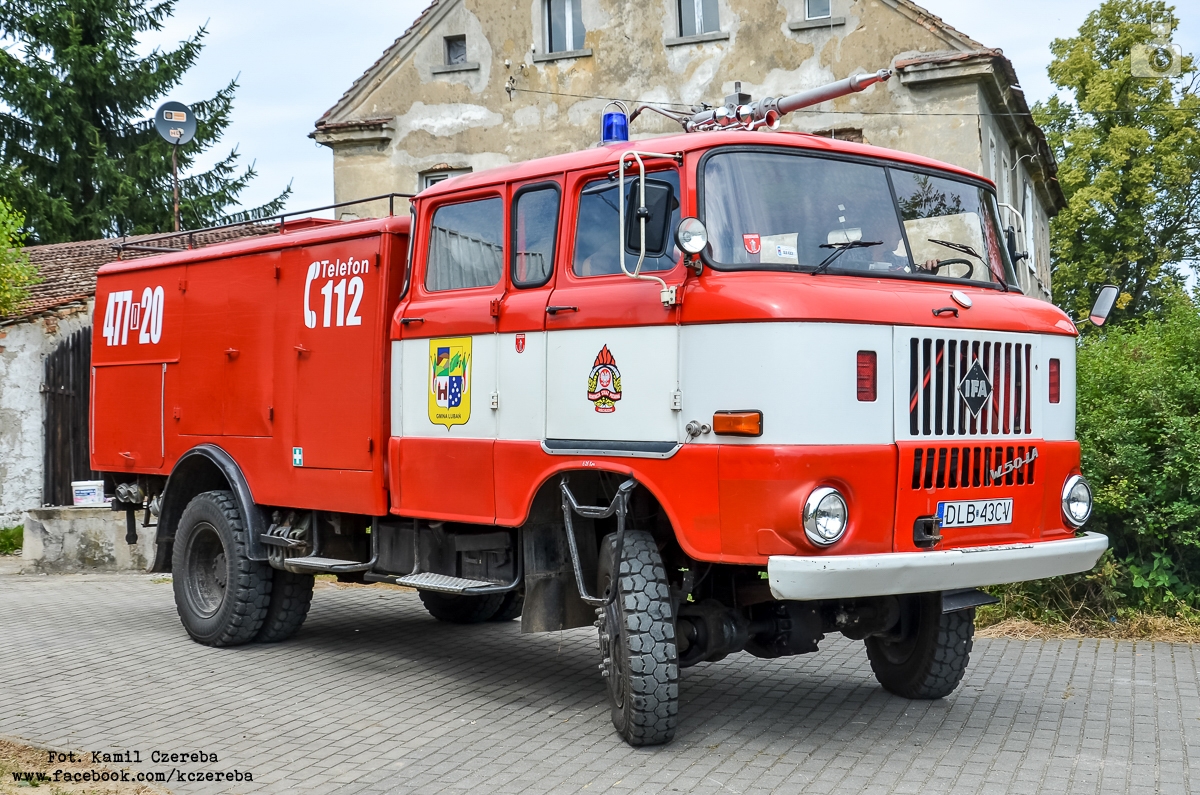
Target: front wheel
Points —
{"points": [[637, 639], [928, 654]]}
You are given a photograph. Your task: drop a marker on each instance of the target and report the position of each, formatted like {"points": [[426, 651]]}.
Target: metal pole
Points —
{"points": [[175, 181]]}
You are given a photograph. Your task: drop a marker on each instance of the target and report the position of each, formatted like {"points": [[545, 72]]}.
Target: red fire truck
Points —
{"points": [[728, 390]]}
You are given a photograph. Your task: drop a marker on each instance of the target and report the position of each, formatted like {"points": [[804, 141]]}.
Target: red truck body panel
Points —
{"points": [[268, 348]]}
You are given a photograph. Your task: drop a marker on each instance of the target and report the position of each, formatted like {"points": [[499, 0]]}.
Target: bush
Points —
{"points": [[1139, 429], [11, 539]]}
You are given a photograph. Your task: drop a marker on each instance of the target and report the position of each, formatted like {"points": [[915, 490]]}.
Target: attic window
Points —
{"points": [[456, 50], [816, 9]]}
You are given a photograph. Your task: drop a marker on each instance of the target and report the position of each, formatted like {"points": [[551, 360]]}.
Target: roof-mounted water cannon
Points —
{"points": [[739, 113]]}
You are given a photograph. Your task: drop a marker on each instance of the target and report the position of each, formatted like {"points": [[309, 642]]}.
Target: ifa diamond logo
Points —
{"points": [[975, 388]]}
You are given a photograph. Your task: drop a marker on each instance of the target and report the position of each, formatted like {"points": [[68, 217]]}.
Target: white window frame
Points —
{"points": [[570, 24], [430, 178], [698, 16], [808, 12]]}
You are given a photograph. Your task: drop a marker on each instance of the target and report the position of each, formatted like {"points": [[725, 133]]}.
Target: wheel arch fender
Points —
{"points": [[205, 467]]}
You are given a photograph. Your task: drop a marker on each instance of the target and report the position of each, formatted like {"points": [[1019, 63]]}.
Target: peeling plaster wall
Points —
{"points": [[23, 349], [468, 119]]}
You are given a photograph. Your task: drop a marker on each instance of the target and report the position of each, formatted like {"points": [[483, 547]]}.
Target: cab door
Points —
{"points": [[612, 355], [448, 338]]}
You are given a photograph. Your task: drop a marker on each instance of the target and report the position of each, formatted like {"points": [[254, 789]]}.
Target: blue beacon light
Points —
{"points": [[615, 125]]}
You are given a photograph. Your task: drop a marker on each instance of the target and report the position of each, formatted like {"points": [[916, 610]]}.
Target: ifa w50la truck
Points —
{"points": [[722, 391]]}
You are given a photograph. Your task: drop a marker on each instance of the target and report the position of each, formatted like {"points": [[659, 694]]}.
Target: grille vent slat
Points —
{"points": [[938, 364], [969, 467]]}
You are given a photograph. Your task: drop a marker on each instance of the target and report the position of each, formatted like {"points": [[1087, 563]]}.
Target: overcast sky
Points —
{"points": [[295, 59]]}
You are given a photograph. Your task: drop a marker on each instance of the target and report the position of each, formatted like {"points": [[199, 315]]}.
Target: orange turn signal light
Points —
{"points": [[738, 423]]}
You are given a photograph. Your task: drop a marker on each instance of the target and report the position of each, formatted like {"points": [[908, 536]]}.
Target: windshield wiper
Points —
{"points": [[841, 248], [961, 247]]}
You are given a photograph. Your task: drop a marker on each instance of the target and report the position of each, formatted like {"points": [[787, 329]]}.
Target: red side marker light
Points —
{"points": [[738, 423], [867, 376], [1055, 381]]}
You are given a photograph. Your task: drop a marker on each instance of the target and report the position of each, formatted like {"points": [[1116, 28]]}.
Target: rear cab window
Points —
{"points": [[466, 245]]}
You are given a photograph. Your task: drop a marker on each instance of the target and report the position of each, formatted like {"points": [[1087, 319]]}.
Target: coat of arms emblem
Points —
{"points": [[450, 381], [604, 382]]}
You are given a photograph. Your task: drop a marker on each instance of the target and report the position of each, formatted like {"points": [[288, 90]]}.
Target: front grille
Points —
{"points": [[936, 408], [971, 467]]}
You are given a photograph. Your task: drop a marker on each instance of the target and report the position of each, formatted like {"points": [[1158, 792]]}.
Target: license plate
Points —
{"points": [[975, 513]]}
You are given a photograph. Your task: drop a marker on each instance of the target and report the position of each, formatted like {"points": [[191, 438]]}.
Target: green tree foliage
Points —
{"points": [[1129, 163], [1139, 429], [77, 154], [16, 273]]}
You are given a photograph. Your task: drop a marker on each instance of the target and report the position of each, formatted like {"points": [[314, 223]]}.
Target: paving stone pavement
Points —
{"points": [[373, 695]]}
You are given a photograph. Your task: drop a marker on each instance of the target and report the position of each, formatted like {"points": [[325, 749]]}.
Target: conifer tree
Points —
{"points": [[79, 157]]}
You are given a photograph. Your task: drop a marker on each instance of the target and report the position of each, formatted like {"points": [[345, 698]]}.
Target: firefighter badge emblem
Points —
{"points": [[450, 381], [604, 382]]}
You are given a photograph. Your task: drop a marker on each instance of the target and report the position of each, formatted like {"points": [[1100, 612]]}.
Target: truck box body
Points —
{"points": [[271, 348]]}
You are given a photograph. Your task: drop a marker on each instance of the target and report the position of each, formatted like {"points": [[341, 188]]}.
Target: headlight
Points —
{"points": [[1076, 501], [825, 516], [691, 236]]}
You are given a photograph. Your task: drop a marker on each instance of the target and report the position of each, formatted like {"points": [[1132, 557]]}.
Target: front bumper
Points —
{"points": [[850, 576]]}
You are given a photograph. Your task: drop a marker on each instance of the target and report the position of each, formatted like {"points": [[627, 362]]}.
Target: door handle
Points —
{"points": [[404, 321], [554, 310], [231, 353], [301, 350], [945, 310]]}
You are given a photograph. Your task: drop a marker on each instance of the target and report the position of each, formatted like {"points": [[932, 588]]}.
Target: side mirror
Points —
{"points": [[1010, 238], [657, 212], [1105, 302]]}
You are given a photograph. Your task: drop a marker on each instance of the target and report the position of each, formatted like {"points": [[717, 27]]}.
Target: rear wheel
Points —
{"points": [[511, 607], [637, 639], [927, 658], [291, 596], [221, 595], [455, 609]]}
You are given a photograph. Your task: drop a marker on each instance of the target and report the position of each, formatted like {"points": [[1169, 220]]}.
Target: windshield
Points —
{"points": [[786, 211]]}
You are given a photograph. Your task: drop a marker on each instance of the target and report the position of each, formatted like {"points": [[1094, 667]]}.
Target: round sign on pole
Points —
{"points": [[175, 122]]}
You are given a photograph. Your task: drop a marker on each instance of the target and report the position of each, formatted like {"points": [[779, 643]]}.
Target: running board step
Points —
{"points": [[324, 565], [428, 581]]}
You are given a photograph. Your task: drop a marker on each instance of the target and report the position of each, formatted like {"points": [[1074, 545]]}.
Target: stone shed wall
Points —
{"points": [[23, 351]]}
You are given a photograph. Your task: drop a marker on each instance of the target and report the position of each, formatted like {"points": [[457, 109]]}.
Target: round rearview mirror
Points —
{"points": [[1105, 302], [691, 236]]}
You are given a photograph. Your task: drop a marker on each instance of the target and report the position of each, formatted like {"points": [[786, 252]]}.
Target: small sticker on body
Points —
{"points": [[297, 456]]}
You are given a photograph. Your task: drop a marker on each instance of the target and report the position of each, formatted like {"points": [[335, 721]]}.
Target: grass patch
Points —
{"points": [[20, 759], [11, 539]]}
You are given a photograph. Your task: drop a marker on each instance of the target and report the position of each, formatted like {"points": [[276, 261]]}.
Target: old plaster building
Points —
{"points": [[480, 83]]}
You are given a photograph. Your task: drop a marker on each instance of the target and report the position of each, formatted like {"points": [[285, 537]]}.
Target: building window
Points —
{"points": [[456, 50], [466, 246], [440, 174], [816, 9], [697, 17], [564, 25]]}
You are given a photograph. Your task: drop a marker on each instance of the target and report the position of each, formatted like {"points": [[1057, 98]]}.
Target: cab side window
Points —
{"points": [[535, 229], [466, 246], [597, 245]]}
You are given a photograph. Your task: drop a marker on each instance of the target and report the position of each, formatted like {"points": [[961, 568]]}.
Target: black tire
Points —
{"points": [[221, 595], [291, 596], [637, 641], [455, 609], [511, 607], [929, 658]]}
